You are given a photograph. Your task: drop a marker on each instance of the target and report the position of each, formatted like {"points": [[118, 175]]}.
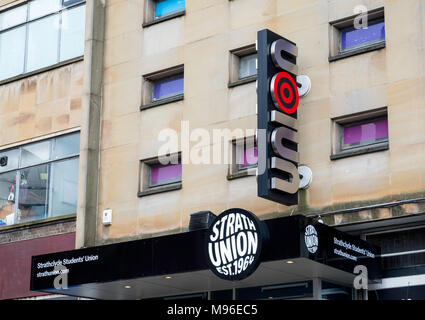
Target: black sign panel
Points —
{"points": [[246, 242], [233, 244], [277, 103]]}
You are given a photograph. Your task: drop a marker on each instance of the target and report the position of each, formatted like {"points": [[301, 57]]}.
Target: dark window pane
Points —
{"points": [[161, 174], [7, 198], [399, 242], [358, 37], [67, 146], [366, 133], [33, 192], [67, 3], [165, 7], [64, 188]]}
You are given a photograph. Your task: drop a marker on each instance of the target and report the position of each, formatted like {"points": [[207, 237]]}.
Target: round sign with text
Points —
{"points": [[233, 244], [311, 239]]}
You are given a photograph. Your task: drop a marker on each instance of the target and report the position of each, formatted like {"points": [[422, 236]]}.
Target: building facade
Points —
{"points": [[41, 87], [175, 77]]}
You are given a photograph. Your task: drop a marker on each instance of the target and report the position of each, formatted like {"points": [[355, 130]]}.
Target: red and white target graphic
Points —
{"points": [[284, 92]]}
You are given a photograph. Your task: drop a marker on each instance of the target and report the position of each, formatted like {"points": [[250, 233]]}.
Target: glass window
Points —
{"points": [[165, 174], [64, 187], [67, 3], [7, 198], [33, 192], [247, 66], [366, 133], [354, 38], [400, 249], [41, 186], [9, 160], [248, 158], [35, 153], [72, 37], [66, 146], [168, 87], [166, 7], [47, 32], [13, 17], [12, 52], [43, 39], [40, 8]]}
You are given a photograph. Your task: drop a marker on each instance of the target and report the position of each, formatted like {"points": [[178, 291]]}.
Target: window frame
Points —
{"points": [[149, 14], [27, 24], [338, 125], [18, 170], [151, 185], [363, 45], [168, 96], [167, 14], [235, 170], [234, 65], [377, 232], [148, 85], [360, 122], [145, 175], [345, 24]]}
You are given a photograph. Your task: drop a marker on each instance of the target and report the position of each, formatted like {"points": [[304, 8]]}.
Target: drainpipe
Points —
{"points": [[91, 124]]}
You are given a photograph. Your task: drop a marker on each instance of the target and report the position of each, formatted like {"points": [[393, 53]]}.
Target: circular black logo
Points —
{"points": [[233, 244]]}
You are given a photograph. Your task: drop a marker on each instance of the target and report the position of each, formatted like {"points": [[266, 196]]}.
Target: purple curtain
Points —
{"points": [[368, 132], [164, 174], [168, 87], [249, 157], [356, 37]]}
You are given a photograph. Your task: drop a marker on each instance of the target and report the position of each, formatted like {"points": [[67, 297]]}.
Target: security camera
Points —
{"points": [[3, 161]]}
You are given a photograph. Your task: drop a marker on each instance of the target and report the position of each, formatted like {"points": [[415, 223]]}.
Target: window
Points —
{"points": [[161, 10], [359, 134], [355, 38], [247, 66], [166, 7], [346, 40], [163, 87], [39, 180], [244, 158], [39, 34], [248, 158], [366, 133], [168, 87], [243, 66], [159, 176], [401, 250]]}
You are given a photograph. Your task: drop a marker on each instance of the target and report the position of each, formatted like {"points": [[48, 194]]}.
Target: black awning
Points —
{"points": [[105, 272]]}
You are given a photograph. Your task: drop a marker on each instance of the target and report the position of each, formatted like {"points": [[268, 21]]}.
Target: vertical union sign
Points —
{"points": [[277, 104]]}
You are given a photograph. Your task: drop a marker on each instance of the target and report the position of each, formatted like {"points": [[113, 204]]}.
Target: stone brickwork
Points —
{"points": [[202, 39]]}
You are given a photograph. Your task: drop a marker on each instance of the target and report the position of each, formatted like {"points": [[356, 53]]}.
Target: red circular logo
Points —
{"points": [[285, 92]]}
